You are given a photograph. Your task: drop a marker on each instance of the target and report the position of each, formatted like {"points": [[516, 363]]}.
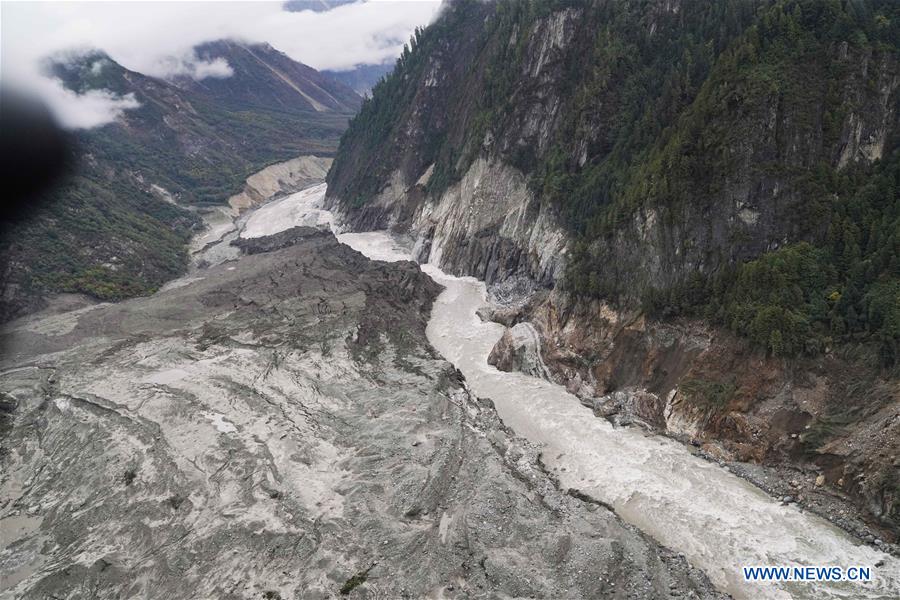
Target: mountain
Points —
{"points": [[120, 223], [314, 5], [266, 79], [695, 204], [362, 78], [218, 129]]}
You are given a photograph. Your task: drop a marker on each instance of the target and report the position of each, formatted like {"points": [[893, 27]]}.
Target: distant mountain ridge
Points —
{"points": [[362, 78], [267, 78], [118, 226], [222, 129], [315, 5]]}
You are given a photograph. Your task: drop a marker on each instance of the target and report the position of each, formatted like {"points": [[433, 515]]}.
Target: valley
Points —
{"points": [[719, 521], [287, 382], [577, 300], [278, 425], [119, 223]]}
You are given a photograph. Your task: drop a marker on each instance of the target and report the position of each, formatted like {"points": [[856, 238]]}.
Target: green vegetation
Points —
{"points": [[685, 119], [107, 238], [803, 298], [108, 231], [355, 581], [679, 116], [381, 114], [711, 395], [646, 83], [842, 285]]}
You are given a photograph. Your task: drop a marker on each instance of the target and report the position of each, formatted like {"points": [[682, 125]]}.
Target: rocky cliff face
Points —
{"points": [[485, 221], [618, 153], [827, 426], [521, 109], [750, 161], [488, 224]]}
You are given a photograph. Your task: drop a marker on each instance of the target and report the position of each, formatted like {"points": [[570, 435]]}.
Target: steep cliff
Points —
{"points": [[689, 167], [668, 141]]}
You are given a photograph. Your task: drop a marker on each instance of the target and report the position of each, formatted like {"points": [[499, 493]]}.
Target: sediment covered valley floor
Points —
{"points": [[277, 426]]}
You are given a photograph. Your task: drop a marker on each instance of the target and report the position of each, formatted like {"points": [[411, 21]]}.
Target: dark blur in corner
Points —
{"points": [[34, 154]]}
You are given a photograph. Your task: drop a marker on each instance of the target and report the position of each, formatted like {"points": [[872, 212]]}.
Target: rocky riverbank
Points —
{"points": [[769, 421]]}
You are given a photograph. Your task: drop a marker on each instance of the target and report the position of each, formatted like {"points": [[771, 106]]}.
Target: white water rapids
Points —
{"points": [[718, 520]]}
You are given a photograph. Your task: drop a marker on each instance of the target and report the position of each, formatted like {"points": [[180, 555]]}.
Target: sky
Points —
{"points": [[157, 38]]}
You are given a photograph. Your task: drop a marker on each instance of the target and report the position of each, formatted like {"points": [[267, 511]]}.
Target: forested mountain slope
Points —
{"points": [[673, 141], [710, 189], [118, 225]]}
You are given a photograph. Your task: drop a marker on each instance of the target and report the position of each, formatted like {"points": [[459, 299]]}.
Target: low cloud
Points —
{"points": [[158, 39], [82, 111], [98, 65], [187, 65], [217, 69]]}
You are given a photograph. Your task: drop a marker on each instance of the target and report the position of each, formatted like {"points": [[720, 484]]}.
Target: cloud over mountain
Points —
{"points": [[158, 39]]}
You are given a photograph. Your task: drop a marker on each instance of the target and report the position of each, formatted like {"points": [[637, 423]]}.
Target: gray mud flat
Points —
{"points": [[279, 427]]}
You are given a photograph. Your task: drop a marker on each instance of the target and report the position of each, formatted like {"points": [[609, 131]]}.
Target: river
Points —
{"points": [[719, 521]]}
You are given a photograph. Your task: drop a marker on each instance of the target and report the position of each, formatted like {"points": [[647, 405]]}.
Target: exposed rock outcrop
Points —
{"points": [[829, 416], [489, 225], [278, 179], [520, 350]]}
